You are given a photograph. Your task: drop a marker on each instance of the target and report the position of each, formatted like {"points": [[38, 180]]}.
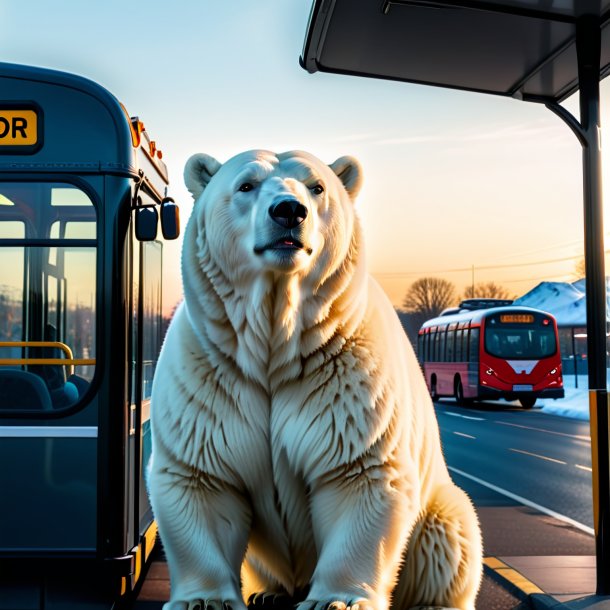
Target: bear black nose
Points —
{"points": [[288, 213]]}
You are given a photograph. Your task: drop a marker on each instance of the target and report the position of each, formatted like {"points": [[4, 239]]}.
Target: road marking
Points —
{"points": [[509, 494], [465, 435], [536, 455], [462, 416], [587, 468], [578, 436]]}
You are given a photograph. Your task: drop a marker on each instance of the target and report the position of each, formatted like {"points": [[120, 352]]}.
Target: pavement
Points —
{"points": [[558, 571]]}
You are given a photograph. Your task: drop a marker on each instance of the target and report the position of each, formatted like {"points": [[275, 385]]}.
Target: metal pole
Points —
{"points": [[588, 43], [574, 359], [473, 295]]}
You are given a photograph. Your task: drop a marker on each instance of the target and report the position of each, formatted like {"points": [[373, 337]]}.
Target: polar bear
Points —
{"points": [[296, 454]]}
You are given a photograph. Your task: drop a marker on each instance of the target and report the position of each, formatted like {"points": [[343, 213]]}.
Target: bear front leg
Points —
{"points": [[361, 518], [204, 525]]}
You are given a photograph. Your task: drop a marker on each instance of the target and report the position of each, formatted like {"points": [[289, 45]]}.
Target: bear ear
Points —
{"points": [[198, 172], [349, 171]]}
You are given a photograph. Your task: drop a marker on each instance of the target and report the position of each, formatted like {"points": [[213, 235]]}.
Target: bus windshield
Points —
{"points": [[48, 244], [520, 342]]}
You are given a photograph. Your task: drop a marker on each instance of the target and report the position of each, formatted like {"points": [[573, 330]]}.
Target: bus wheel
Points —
{"points": [[433, 390], [459, 392], [527, 402]]}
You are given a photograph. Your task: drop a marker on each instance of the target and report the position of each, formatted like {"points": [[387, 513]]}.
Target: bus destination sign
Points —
{"points": [[20, 128], [518, 318]]}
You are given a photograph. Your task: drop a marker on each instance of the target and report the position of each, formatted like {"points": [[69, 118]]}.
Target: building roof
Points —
{"points": [[566, 302]]}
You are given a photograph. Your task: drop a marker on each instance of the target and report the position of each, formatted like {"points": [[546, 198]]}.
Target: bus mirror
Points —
{"points": [[170, 219], [146, 223]]}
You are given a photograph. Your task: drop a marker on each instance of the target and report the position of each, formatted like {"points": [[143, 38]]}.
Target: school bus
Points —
{"points": [[83, 192]]}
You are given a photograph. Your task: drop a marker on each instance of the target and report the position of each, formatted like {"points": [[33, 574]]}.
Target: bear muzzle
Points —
{"points": [[288, 213]]}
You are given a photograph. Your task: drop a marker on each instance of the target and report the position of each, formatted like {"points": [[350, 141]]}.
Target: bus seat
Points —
{"points": [[23, 390]]}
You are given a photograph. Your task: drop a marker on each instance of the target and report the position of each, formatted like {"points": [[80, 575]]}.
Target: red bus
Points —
{"points": [[501, 352]]}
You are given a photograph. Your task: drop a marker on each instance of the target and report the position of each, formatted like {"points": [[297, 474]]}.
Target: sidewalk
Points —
{"points": [[559, 569], [532, 562]]}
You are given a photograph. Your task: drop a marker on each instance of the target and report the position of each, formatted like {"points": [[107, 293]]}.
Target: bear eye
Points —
{"points": [[318, 189], [246, 187]]}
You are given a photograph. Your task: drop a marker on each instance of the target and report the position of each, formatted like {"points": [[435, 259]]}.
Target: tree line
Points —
{"points": [[427, 297]]}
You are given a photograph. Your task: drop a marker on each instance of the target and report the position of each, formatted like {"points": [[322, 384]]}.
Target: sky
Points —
{"points": [[458, 185]]}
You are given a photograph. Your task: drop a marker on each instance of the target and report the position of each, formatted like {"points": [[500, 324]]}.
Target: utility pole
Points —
{"points": [[473, 281]]}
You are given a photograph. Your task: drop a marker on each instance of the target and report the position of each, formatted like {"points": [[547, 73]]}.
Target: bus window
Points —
{"points": [[151, 308], [450, 344], [458, 345], [47, 294], [520, 342], [474, 344]]}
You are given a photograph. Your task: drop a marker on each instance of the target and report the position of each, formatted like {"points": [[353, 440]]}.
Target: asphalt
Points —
{"points": [[560, 572], [533, 561]]}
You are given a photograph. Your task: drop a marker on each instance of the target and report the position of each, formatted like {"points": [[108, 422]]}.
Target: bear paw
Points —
{"points": [[200, 604], [352, 604], [271, 601], [432, 608]]}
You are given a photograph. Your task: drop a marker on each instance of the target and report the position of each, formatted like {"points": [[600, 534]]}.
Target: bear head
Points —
{"points": [[286, 213]]}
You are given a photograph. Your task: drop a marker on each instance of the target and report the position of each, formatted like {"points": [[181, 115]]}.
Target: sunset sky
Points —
{"points": [[453, 180]]}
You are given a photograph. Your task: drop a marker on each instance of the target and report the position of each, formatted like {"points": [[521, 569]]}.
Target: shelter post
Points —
{"points": [[588, 132], [588, 46]]}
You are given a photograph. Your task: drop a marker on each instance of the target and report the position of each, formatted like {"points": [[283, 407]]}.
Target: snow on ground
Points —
{"points": [[576, 402]]}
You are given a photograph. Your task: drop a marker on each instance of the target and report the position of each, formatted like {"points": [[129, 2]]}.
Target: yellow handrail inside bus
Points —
{"points": [[68, 361]]}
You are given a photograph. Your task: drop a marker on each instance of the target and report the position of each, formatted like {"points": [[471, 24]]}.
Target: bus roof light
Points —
{"points": [[137, 128]]}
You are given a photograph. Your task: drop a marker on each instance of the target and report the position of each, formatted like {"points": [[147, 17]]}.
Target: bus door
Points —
{"points": [[145, 337], [48, 301]]}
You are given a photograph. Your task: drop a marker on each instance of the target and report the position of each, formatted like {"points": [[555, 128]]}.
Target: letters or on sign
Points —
{"points": [[18, 127], [519, 318]]}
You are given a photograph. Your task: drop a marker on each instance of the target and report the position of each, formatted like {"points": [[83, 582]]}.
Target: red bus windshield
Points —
{"points": [[519, 341]]}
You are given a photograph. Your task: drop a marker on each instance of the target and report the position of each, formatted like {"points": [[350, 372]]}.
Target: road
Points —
{"points": [[542, 461], [516, 464], [509, 461]]}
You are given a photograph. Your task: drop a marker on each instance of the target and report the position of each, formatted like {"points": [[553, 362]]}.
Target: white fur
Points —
{"points": [[295, 443]]}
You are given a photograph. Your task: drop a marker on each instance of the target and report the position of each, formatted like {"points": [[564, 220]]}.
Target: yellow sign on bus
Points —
{"points": [[519, 318], [18, 127]]}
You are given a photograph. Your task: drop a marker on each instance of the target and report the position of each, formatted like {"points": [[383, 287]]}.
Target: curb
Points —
{"points": [[518, 585]]}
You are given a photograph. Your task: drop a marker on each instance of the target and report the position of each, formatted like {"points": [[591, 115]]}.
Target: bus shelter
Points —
{"points": [[533, 50]]}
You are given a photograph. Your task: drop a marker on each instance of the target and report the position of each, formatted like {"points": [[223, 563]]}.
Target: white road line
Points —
{"points": [[465, 435], [509, 494], [587, 468], [580, 437], [463, 416], [536, 455]]}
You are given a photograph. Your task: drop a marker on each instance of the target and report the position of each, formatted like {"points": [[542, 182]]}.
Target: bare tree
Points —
{"points": [[428, 296], [487, 290], [579, 269]]}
